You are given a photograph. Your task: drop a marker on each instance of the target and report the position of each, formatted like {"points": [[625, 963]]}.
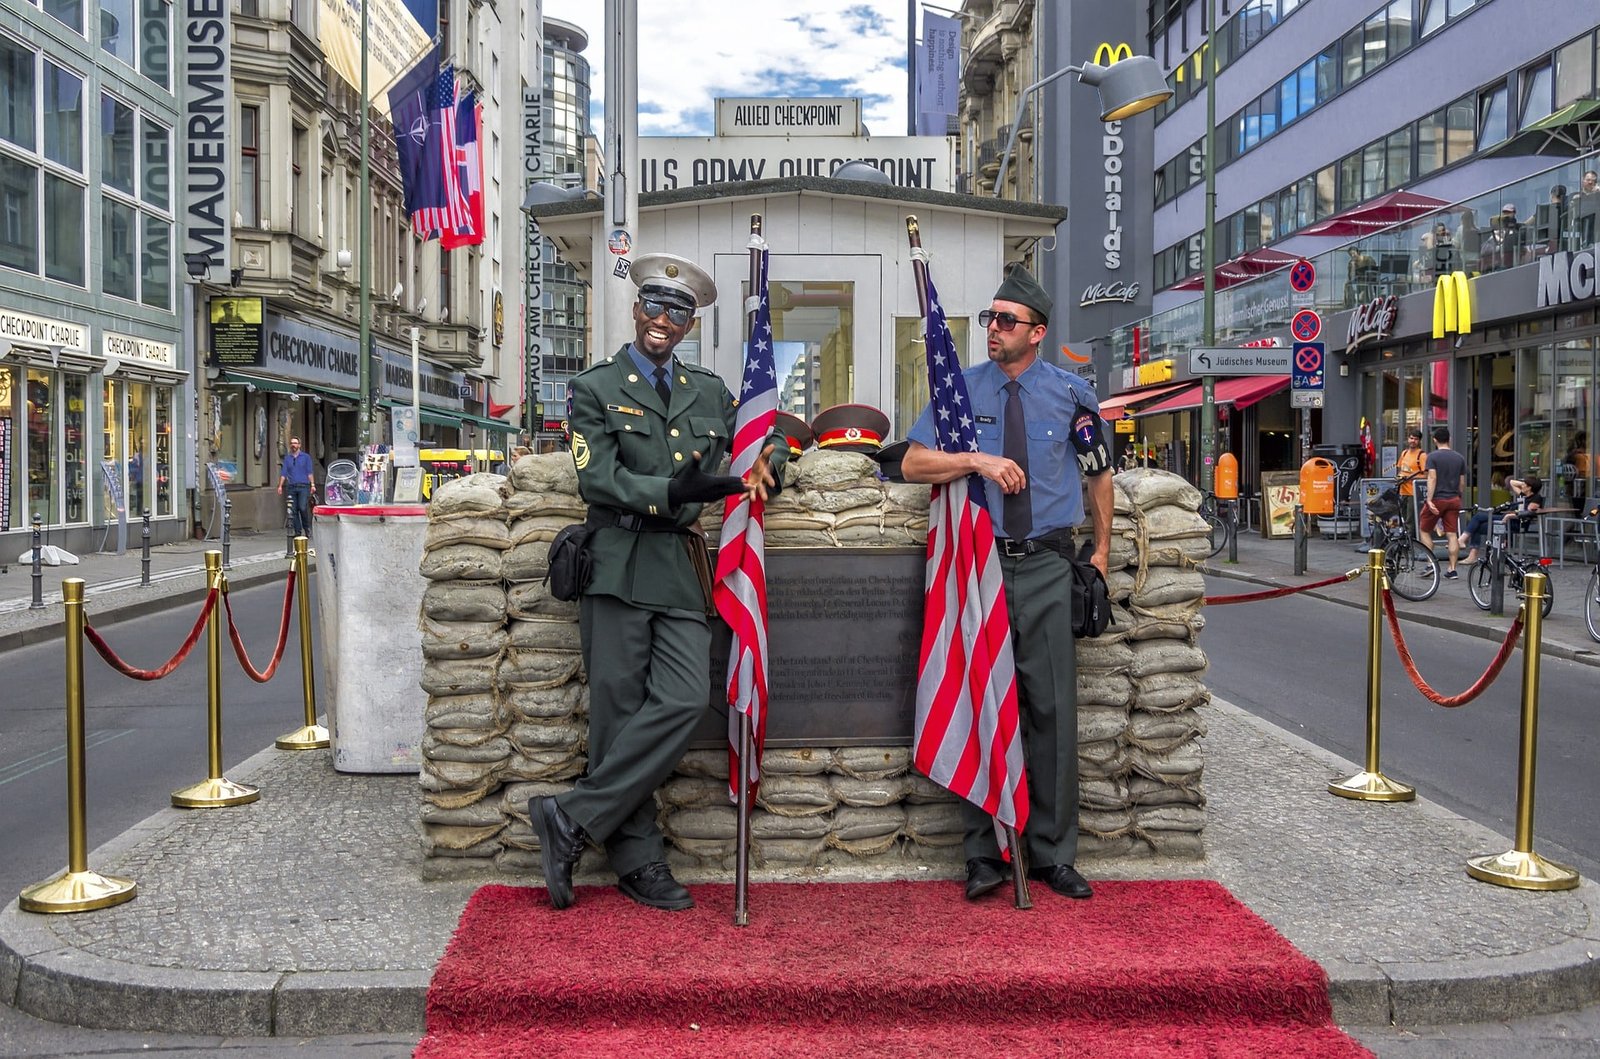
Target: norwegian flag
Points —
{"points": [[469, 163], [968, 736], [439, 156], [741, 589]]}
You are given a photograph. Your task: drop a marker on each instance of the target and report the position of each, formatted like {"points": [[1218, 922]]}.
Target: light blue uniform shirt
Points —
{"points": [[1052, 398], [647, 367]]}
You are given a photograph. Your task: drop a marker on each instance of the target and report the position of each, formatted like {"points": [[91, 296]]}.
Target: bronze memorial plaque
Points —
{"points": [[844, 637]]}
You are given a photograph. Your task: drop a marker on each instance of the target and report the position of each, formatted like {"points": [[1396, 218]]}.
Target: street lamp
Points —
{"points": [[1129, 87]]}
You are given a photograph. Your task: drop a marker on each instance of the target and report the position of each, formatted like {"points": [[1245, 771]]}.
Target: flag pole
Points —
{"points": [[741, 854], [919, 269]]}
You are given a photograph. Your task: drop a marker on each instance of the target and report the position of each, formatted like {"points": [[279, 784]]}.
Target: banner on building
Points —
{"points": [[395, 37], [533, 247], [205, 129], [938, 73]]}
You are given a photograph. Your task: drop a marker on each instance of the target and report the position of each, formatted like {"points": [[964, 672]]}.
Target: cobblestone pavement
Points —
{"points": [[306, 913]]}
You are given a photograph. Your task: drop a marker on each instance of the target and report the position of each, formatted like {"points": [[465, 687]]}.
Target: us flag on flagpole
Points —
{"points": [[740, 593], [968, 737], [439, 156]]}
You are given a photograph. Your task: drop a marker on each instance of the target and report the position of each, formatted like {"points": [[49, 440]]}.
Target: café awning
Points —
{"points": [[1257, 262], [1382, 212], [1571, 131], [1240, 391], [1117, 407]]}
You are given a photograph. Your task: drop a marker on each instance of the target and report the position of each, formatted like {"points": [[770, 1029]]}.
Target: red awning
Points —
{"points": [[1257, 262], [1241, 392], [1116, 407], [1382, 212]]}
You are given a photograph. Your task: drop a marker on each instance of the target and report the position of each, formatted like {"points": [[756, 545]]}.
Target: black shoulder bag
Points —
{"points": [[1091, 596], [571, 566]]}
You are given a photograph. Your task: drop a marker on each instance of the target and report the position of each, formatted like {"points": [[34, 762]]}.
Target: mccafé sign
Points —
{"points": [[1375, 319], [1568, 276]]}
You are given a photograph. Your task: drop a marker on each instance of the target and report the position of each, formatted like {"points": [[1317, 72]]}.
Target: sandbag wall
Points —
{"points": [[507, 697]]}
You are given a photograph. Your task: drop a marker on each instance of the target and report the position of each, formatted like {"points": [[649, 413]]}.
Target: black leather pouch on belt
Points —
{"points": [[694, 543]]}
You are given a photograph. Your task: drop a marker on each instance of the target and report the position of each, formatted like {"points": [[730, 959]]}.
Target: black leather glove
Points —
{"points": [[695, 486]]}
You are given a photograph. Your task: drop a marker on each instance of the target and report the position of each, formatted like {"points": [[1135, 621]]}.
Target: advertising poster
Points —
{"points": [[236, 332], [1280, 492]]}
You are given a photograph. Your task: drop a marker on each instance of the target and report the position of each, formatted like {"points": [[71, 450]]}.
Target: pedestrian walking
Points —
{"points": [[1446, 468], [300, 478]]}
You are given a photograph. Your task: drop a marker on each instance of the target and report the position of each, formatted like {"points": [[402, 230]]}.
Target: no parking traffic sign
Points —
{"points": [[1306, 325], [1306, 373], [1302, 276]]}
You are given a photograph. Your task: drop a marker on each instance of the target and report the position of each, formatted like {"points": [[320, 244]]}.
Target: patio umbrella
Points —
{"points": [[1571, 131], [1382, 212], [1247, 266]]}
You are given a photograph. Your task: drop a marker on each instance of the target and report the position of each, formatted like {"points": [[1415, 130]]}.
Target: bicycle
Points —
{"points": [[1591, 594], [1413, 571], [1218, 527], [1480, 579]]}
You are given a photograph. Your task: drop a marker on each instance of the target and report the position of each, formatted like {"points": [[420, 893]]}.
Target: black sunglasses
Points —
{"points": [[676, 313], [1006, 321]]}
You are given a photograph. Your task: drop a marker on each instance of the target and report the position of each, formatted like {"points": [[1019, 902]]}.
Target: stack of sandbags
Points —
{"points": [[836, 500]]}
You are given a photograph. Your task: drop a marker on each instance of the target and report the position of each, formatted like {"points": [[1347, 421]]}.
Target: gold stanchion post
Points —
{"points": [[215, 790], [311, 735], [1520, 868], [77, 889], [1370, 784]]}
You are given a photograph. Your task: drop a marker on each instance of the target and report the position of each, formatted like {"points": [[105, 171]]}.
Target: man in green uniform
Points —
{"points": [[648, 434]]}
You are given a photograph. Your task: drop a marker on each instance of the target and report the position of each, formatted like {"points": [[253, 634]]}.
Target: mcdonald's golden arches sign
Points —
{"points": [[1107, 54]]}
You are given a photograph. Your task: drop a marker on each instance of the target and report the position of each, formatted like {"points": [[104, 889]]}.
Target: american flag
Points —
{"points": [[440, 152], [468, 160], [741, 589], [968, 736]]}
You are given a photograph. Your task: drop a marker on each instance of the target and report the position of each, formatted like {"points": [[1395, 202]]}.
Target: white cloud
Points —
{"points": [[691, 53]]}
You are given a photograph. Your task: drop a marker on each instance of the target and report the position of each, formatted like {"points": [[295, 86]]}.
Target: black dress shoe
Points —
{"points": [[985, 874], [1063, 879], [653, 885], [560, 845]]}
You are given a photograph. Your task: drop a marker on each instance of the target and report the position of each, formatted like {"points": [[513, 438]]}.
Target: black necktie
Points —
{"points": [[1018, 507], [661, 386]]}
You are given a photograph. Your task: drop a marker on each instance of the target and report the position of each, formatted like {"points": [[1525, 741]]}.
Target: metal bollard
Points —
{"points": [[215, 790], [38, 565], [1370, 784], [311, 735], [78, 889], [1233, 531], [1299, 540], [144, 550], [227, 525], [1497, 583], [288, 526], [1520, 868]]}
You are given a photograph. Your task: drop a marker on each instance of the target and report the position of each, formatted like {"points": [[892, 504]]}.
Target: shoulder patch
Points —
{"points": [[580, 450]]}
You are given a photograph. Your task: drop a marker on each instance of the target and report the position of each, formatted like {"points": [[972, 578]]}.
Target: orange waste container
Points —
{"points": [[1317, 477], [1227, 477]]}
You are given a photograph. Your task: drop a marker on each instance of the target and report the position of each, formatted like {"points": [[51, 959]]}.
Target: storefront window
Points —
{"points": [[138, 444], [1572, 423], [227, 437], [1535, 389], [911, 367], [40, 416], [113, 452], [163, 450], [75, 464]]}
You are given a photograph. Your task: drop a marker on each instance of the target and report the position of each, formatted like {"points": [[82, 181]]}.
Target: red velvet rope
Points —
{"points": [[1276, 593], [99, 644], [261, 676], [1482, 683]]}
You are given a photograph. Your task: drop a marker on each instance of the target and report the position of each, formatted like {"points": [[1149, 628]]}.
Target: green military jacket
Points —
{"points": [[627, 445]]}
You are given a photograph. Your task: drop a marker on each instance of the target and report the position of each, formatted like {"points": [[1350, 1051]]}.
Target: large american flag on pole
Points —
{"points": [[741, 588], [968, 736]]}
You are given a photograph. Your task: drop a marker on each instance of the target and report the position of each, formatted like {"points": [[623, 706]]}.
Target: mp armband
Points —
{"points": [[1089, 439]]}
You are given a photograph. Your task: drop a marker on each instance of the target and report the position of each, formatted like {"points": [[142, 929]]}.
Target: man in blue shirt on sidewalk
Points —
{"points": [[296, 473]]}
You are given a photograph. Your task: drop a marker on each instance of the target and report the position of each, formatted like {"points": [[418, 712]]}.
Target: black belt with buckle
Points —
{"points": [[1017, 549], [606, 518]]}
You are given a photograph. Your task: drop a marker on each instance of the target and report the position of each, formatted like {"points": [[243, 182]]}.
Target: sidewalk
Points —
{"points": [[1271, 563], [305, 913]]}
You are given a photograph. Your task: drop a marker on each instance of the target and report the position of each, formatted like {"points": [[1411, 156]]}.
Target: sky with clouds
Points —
{"points": [[691, 52]]}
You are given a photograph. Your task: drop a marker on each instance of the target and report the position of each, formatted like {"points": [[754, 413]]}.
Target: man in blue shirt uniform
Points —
{"points": [[1040, 437], [301, 480]]}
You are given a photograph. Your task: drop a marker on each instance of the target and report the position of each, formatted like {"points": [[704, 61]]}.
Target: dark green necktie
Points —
{"points": [[1018, 507]]}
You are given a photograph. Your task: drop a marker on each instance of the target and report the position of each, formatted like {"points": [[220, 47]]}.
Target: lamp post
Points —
{"points": [[1129, 87], [1208, 260]]}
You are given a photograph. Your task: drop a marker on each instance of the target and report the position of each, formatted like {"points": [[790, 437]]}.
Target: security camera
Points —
{"points": [[422, 306], [399, 289]]}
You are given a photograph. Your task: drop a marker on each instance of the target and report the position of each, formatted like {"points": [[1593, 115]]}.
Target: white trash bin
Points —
{"points": [[368, 595]]}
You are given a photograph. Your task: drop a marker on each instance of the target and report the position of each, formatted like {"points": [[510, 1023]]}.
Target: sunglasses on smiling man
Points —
{"points": [[653, 308], [1003, 320]]}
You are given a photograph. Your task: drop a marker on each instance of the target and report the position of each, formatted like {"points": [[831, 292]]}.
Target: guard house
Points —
{"points": [[845, 314]]}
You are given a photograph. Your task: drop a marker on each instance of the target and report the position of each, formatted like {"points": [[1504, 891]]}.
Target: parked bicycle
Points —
{"points": [[1413, 571], [1591, 594], [1219, 525], [1480, 579]]}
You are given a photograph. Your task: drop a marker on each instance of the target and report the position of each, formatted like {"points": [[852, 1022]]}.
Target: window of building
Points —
{"points": [[17, 65], [1491, 115], [64, 249], [299, 205], [117, 147], [136, 225], [248, 202], [68, 12], [119, 31], [1538, 86], [41, 164], [119, 248], [1575, 70], [63, 116]]}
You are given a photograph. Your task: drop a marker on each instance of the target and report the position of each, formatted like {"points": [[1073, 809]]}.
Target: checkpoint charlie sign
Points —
{"points": [[670, 162], [789, 117]]}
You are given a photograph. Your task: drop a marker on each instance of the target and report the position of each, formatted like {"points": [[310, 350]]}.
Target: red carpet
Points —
{"points": [[893, 969]]}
